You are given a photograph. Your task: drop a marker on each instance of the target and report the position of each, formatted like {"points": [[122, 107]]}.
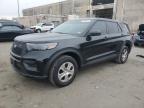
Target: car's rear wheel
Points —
{"points": [[123, 56], [63, 71]]}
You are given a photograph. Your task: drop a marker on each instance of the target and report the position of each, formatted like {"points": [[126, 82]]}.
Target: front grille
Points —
{"points": [[19, 48]]}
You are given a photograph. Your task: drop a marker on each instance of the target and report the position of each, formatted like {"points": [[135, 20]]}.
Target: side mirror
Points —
{"points": [[94, 33]]}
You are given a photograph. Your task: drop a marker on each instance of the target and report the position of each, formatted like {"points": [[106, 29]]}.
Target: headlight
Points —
{"points": [[40, 46]]}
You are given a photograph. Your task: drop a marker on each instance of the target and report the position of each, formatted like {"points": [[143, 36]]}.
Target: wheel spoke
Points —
{"points": [[124, 54], [62, 67], [70, 66], [70, 75], [61, 76], [66, 77], [66, 72]]}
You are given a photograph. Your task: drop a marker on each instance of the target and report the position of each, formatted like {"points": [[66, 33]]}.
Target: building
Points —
{"points": [[129, 11], [6, 17]]}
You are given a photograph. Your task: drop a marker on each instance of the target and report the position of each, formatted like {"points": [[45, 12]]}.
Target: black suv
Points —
{"points": [[74, 44], [10, 29]]}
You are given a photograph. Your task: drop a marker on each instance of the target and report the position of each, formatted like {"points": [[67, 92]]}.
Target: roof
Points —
{"points": [[9, 22], [4, 20], [104, 19]]}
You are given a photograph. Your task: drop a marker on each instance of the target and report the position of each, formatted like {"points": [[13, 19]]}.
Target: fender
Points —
{"points": [[59, 53], [126, 43]]}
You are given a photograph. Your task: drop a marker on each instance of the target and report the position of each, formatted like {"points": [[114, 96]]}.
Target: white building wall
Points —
{"points": [[131, 12]]}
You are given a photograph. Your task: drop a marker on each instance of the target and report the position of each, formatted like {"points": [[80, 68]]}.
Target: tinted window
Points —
{"points": [[125, 28], [48, 24], [100, 26], [44, 24], [10, 28], [113, 27], [76, 27]]}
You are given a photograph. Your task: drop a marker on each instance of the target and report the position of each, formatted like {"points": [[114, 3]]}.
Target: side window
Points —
{"points": [[48, 24], [44, 24], [10, 28], [113, 27], [125, 28], [99, 26]]}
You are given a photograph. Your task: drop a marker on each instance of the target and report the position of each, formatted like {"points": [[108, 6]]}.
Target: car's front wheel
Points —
{"points": [[38, 31], [63, 71]]}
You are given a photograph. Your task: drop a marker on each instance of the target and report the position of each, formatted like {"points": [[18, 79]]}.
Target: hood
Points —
{"points": [[44, 37]]}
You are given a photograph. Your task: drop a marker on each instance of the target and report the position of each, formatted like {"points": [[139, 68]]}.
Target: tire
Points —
{"points": [[123, 56], [135, 44], [63, 71], [51, 29], [38, 31]]}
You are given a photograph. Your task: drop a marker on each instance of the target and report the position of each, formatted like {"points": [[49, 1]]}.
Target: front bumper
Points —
{"points": [[28, 67]]}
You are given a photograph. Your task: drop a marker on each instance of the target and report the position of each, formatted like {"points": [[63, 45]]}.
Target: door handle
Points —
{"points": [[106, 38]]}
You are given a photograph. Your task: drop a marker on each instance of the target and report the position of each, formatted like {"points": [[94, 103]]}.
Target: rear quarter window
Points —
{"points": [[48, 24], [113, 27], [99, 26], [125, 28]]}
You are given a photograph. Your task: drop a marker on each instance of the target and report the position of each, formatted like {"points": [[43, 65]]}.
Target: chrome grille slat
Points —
{"points": [[19, 48]]}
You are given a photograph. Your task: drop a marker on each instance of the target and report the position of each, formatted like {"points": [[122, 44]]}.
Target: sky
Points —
{"points": [[8, 8]]}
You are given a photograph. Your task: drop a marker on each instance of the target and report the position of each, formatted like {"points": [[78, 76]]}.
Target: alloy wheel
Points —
{"points": [[124, 54], [66, 72]]}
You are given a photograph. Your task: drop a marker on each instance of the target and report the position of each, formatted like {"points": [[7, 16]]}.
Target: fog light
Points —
{"points": [[30, 65]]}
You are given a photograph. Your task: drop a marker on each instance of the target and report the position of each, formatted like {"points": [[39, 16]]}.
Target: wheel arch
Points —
{"points": [[75, 56], [38, 29], [70, 52], [129, 45]]}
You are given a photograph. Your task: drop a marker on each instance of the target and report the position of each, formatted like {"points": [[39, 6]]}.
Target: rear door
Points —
{"points": [[114, 36]]}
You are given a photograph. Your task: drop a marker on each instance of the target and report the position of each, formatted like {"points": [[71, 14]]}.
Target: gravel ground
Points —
{"points": [[105, 85]]}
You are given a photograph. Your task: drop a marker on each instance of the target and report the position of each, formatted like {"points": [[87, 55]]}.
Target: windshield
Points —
{"points": [[76, 27]]}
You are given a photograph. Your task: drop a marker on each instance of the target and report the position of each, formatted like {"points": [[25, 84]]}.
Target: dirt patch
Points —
{"points": [[105, 85]]}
